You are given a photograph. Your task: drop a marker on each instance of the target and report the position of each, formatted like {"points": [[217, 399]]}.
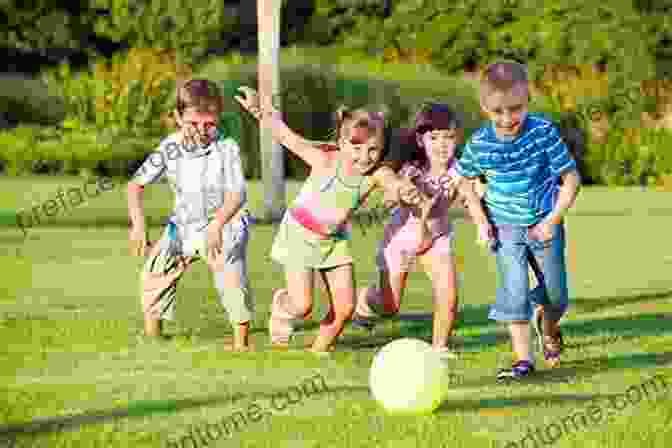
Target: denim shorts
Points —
{"points": [[515, 253]]}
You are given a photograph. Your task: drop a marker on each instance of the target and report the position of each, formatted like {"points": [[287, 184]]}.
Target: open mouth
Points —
{"points": [[511, 128]]}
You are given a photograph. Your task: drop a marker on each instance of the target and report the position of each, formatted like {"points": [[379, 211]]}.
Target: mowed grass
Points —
{"points": [[73, 355]]}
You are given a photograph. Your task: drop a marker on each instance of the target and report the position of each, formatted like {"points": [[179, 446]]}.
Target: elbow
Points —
{"points": [[135, 189], [235, 200]]}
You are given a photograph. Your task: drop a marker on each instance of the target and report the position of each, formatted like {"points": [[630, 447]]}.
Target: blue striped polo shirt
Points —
{"points": [[523, 174]]}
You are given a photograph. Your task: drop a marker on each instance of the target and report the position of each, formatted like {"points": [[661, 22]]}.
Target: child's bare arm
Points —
{"points": [[397, 189], [479, 187], [467, 190], [138, 234], [571, 183], [269, 116]]}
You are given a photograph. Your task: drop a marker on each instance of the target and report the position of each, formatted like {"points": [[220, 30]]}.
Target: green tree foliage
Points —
{"points": [[189, 26], [42, 24], [533, 31]]}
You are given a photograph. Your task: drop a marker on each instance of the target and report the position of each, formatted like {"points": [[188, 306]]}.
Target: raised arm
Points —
{"points": [[269, 116]]}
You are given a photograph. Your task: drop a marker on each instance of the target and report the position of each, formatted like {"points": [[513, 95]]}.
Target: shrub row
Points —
{"points": [[308, 96]]}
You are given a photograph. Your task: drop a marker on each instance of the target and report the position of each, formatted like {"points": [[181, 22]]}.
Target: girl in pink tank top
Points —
{"points": [[427, 237]]}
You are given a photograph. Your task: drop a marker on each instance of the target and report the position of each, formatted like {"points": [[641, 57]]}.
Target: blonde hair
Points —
{"points": [[503, 76], [372, 118], [375, 119]]}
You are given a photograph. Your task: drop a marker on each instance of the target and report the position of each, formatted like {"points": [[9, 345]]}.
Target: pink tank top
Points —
{"points": [[439, 222]]}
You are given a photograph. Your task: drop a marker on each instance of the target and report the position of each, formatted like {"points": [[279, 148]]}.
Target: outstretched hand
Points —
{"points": [[410, 194], [251, 102]]}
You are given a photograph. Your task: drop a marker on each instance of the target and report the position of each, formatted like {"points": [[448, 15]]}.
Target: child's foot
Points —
{"points": [[280, 328], [153, 328], [241, 348], [363, 323], [446, 352], [552, 348], [519, 370], [321, 353], [538, 325]]}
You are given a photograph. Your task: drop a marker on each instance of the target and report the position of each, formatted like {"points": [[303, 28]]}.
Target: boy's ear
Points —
{"points": [[481, 102]]}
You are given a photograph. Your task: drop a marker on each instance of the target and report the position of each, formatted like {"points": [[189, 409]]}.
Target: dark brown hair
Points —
{"points": [[431, 116], [200, 94]]}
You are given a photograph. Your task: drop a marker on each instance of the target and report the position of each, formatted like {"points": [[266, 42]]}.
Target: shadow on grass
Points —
{"points": [[569, 373], [635, 325], [146, 408], [508, 406], [624, 328], [592, 305]]}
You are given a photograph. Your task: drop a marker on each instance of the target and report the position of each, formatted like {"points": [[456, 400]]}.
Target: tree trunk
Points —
{"points": [[272, 154]]}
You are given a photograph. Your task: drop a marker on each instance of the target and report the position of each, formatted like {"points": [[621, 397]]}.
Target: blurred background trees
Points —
{"points": [[98, 75]]}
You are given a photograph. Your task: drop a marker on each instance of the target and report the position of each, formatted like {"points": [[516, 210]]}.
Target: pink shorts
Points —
{"points": [[402, 239]]}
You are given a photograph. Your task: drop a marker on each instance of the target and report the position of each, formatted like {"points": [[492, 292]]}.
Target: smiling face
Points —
{"points": [[364, 147], [202, 126], [439, 145], [507, 110]]}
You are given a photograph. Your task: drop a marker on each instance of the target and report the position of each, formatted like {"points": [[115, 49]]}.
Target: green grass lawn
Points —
{"points": [[75, 371]]}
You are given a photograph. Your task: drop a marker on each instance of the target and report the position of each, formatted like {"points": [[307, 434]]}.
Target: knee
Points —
{"points": [[391, 302], [302, 305], [346, 310], [343, 311]]}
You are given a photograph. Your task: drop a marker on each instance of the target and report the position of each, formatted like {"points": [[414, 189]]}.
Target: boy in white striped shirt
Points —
{"points": [[209, 221]]}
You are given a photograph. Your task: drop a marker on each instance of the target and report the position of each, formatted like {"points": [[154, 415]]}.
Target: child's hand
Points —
{"points": [[541, 232], [138, 239], [410, 194], [486, 235], [214, 240], [250, 101]]}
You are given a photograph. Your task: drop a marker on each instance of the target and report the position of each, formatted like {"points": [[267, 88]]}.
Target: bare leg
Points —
{"points": [[290, 304], [383, 299], [520, 340], [341, 283], [441, 271], [241, 337]]}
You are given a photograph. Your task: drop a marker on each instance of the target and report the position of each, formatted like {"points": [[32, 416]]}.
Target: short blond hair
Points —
{"points": [[503, 76]]}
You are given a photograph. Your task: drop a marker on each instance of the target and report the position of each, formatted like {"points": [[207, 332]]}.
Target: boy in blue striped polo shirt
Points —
{"points": [[532, 181]]}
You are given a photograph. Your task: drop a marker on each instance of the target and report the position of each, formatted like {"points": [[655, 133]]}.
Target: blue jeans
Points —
{"points": [[515, 253]]}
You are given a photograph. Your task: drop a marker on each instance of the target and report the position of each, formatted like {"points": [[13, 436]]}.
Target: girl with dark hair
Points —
{"points": [[425, 236]]}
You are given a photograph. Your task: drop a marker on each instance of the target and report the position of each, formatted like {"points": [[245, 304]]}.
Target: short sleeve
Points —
{"points": [[406, 170], [467, 165], [558, 153], [234, 178], [154, 167]]}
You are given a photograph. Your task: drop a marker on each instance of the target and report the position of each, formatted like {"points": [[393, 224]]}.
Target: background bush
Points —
{"points": [[134, 90], [111, 114]]}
